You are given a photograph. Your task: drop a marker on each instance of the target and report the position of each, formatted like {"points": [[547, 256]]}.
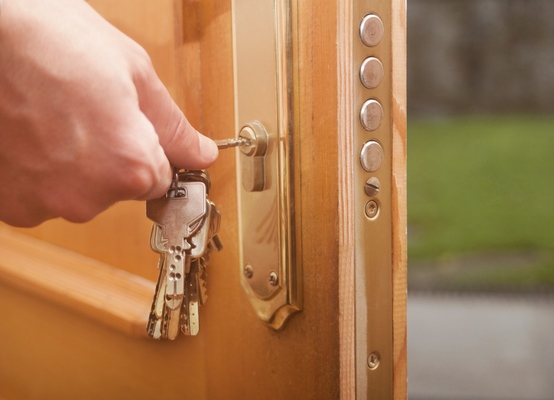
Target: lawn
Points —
{"points": [[481, 202]]}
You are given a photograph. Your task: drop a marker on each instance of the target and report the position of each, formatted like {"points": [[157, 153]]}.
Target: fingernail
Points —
{"points": [[208, 149]]}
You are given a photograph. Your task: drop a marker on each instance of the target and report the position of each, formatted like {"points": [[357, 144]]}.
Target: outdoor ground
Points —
{"points": [[481, 258], [481, 203]]}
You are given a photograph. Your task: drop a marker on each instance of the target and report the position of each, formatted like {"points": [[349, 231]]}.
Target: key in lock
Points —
{"points": [[252, 140]]}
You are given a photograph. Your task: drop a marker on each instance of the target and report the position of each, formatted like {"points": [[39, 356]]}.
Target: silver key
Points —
{"points": [[212, 242], [194, 287], [202, 281], [178, 216], [235, 142]]}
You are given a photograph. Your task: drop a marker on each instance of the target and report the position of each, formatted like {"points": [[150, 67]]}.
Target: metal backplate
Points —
{"points": [[269, 272], [371, 31]]}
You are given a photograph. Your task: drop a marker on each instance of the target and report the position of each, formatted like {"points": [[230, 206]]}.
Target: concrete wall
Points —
{"points": [[480, 56]]}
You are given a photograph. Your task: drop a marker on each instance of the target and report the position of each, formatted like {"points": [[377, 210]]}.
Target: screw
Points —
{"points": [[372, 186], [248, 271], [273, 279], [371, 209], [373, 361]]}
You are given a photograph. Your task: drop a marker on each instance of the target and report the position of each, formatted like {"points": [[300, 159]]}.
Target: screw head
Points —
{"points": [[248, 271], [273, 279], [372, 186], [373, 361], [372, 209]]}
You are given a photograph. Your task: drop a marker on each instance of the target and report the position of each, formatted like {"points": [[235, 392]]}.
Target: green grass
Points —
{"points": [[483, 185]]}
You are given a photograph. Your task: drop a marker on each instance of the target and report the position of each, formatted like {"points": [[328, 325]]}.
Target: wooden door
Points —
{"points": [[74, 298]]}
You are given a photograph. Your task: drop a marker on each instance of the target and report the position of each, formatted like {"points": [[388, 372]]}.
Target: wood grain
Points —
{"points": [[108, 295], [345, 145], [399, 195]]}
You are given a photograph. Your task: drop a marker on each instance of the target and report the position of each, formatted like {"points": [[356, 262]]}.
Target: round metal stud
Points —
{"points": [[371, 115], [371, 156], [371, 72], [371, 30]]}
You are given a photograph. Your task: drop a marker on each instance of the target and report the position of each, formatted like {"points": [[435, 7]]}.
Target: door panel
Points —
{"points": [[70, 354]]}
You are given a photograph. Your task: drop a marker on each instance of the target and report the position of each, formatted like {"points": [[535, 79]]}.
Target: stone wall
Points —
{"points": [[480, 56]]}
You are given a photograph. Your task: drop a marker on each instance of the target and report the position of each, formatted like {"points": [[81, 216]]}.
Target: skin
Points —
{"points": [[84, 120]]}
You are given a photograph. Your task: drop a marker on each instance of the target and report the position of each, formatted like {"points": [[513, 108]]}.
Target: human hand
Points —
{"points": [[84, 120]]}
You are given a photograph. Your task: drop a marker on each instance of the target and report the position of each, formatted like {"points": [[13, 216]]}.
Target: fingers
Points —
{"points": [[184, 146], [147, 171]]}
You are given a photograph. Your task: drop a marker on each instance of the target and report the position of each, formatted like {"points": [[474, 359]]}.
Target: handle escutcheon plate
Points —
{"points": [[270, 273]]}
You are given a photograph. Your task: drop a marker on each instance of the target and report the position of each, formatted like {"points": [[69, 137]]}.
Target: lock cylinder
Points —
{"points": [[253, 156]]}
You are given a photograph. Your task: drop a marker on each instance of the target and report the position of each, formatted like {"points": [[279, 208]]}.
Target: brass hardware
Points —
{"points": [[373, 134], [373, 361], [269, 273], [252, 159], [273, 279], [248, 271], [372, 209]]}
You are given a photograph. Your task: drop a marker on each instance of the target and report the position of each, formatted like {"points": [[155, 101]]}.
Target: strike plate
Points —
{"points": [[269, 272]]}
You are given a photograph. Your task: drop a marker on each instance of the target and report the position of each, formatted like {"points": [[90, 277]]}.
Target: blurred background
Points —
{"points": [[481, 199]]}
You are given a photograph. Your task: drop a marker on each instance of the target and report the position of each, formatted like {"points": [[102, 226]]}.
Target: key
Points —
{"points": [[202, 281], [154, 327], [215, 222], [178, 216], [196, 286], [190, 323], [184, 240], [235, 142]]}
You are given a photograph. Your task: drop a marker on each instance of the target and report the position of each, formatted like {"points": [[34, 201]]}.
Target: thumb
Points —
{"points": [[184, 146]]}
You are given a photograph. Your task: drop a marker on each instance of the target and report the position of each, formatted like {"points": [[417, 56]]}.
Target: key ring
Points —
{"points": [[177, 191], [175, 183]]}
